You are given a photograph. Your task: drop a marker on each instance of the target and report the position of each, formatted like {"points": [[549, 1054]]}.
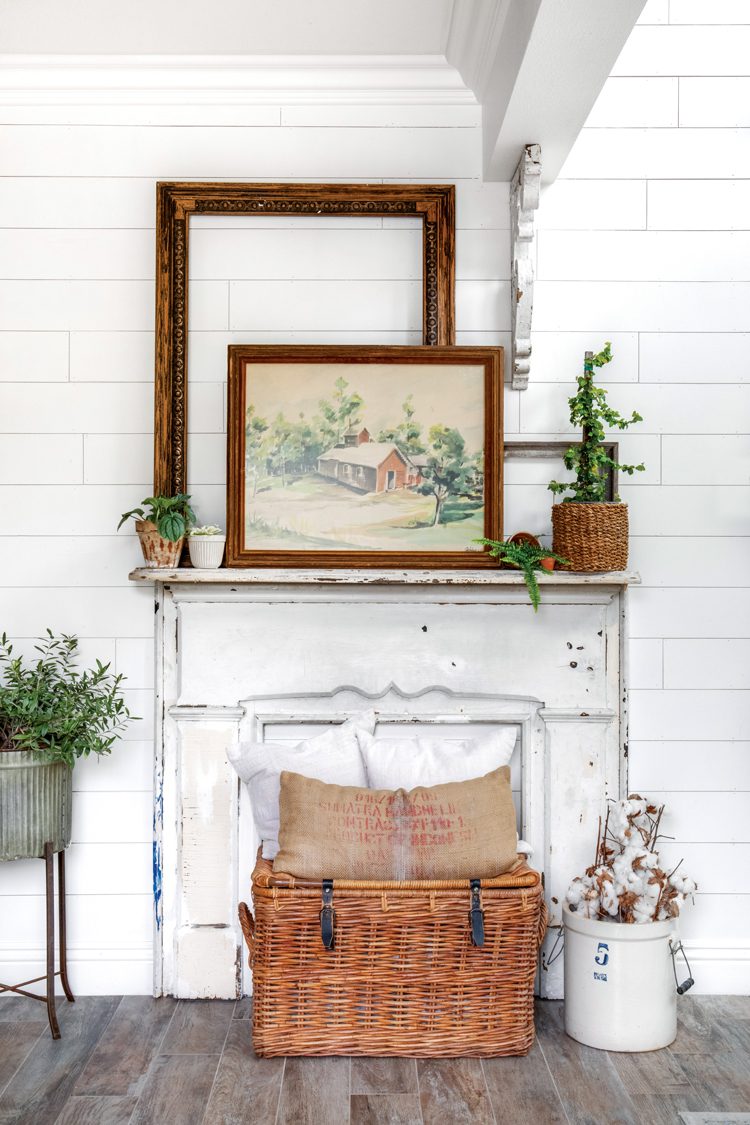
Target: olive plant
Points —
{"points": [[49, 707]]}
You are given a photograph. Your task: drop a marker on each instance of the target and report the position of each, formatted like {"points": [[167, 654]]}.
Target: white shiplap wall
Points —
{"points": [[645, 240], [77, 207], [633, 247]]}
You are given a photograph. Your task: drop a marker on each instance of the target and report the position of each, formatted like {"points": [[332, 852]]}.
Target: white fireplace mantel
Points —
{"points": [[236, 576], [279, 654]]}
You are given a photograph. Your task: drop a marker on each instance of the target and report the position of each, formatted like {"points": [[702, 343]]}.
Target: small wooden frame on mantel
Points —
{"points": [[532, 450], [434, 204]]}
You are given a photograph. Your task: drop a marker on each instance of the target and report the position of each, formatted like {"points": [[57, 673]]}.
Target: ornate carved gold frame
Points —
{"points": [[176, 202]]}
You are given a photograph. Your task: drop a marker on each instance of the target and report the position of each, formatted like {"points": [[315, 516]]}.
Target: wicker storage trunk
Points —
{"points": [[403, 976]]}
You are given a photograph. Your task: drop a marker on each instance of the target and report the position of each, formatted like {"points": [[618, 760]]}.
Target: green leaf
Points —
{"points": [[171, 526]]}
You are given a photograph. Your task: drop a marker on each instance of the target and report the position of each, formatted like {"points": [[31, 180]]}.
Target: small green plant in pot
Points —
{"points": [[206, 546], [528, 557], [161, 523], [51, 714], [589, 530]]}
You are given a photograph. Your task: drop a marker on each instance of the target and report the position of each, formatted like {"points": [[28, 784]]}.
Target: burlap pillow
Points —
{"points": [[458, 830]]}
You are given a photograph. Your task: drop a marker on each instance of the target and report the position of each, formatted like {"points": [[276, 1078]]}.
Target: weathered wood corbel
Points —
{"points": [[524, 200]]}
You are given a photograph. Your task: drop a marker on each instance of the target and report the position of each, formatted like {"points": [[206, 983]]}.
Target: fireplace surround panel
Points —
{"points": [[277, 656]]}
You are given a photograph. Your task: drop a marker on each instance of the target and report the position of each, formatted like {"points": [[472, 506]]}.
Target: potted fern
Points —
{"points": [[51, 714], [161, 523], [528, 556], [589, 530]]}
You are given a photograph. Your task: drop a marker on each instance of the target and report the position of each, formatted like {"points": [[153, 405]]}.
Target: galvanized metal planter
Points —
{"points": [[36, 804]]}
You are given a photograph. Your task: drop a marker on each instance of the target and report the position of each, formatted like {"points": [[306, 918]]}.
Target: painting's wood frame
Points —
{"points": [[176, 202], [492, 361]]}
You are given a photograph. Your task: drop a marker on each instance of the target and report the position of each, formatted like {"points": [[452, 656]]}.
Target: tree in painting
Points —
{"points": [[256, 430], [407, 435], [447, 472], [338, 416]]}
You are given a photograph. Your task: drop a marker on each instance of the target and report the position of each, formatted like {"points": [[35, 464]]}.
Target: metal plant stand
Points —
{"points": [[62, 972]]}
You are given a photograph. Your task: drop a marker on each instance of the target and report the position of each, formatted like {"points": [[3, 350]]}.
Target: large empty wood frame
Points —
{"points": [[176, 202]]}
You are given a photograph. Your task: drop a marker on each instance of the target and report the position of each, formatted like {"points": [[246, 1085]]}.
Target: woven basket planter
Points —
{"points": [[591, 537], [36, 802], [403, 977]]}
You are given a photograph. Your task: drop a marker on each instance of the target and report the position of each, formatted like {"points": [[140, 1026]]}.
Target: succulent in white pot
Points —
{"points": [[621, 942], [206, 546]]}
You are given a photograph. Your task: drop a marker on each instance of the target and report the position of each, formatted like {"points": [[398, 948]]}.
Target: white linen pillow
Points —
{"points": [[333, 756], [405, 763]]}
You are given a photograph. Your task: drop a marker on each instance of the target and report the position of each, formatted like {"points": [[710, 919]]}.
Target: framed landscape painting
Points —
{"points": [[363, 456]]}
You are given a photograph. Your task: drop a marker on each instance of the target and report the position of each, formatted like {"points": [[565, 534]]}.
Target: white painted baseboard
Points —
{"points": [[719, 970], [92, 971]]}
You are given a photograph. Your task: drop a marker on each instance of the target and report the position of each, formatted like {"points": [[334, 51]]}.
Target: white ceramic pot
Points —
{"points": [[206, 551], [620, 992]]}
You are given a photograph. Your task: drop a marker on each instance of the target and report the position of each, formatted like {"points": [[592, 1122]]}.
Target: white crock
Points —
{"points": [[620, 991]]}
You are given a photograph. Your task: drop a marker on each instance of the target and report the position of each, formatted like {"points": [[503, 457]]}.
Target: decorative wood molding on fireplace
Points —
{"points": [[242, 654], [434, 204]]}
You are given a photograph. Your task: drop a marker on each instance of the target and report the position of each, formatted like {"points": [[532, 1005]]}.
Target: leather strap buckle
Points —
{"points": [[476, 914], [327, 915]]}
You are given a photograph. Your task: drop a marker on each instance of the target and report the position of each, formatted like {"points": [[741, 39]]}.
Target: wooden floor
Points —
{"points": [[138, 1061]]}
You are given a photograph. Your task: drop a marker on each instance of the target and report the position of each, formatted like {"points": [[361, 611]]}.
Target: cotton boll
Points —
{"points": [[575, 892], [643, 911], [682, 884], [652, 890], [590, 907], [634, 806], [610, 900]]}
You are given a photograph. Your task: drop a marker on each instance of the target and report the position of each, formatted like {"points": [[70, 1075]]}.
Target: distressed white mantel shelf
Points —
{"points": [[246, 577]]}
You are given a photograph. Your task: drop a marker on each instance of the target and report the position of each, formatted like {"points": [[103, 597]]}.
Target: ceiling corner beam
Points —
{"points": [[542, 72]]}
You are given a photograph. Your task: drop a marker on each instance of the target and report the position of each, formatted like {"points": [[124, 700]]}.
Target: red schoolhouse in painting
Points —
{"points": [[375, 466]]}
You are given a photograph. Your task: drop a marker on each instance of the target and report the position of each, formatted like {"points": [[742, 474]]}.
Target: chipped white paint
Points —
{"points": [[188, 576], [524, 200], [277, 658]]}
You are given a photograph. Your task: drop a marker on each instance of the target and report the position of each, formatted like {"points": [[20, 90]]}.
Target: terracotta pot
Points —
{"points": [[157, 551], [547, 564], [525, 537]]}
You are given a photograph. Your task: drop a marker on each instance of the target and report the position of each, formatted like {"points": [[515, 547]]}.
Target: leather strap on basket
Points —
{"points": [[476, 914], [247, 922], [327, 915]]}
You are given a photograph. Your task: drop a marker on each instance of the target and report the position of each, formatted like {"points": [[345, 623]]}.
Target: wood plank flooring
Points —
{"points": [[138, 1061]]}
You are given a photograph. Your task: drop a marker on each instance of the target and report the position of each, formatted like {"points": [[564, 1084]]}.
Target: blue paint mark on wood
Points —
{"points": [[157, 884], [157, 857]]}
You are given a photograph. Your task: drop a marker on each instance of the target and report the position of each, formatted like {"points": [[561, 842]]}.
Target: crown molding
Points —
{"points": [[474, 37], [230, 80]]}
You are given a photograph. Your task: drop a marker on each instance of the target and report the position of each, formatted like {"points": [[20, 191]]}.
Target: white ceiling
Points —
{"points": [[535, 66], [226, 27]]}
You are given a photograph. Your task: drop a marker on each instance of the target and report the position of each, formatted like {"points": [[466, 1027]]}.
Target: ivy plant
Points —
{"points": [[527, 557], [171, 514], [49, 707], [589, 460]]}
